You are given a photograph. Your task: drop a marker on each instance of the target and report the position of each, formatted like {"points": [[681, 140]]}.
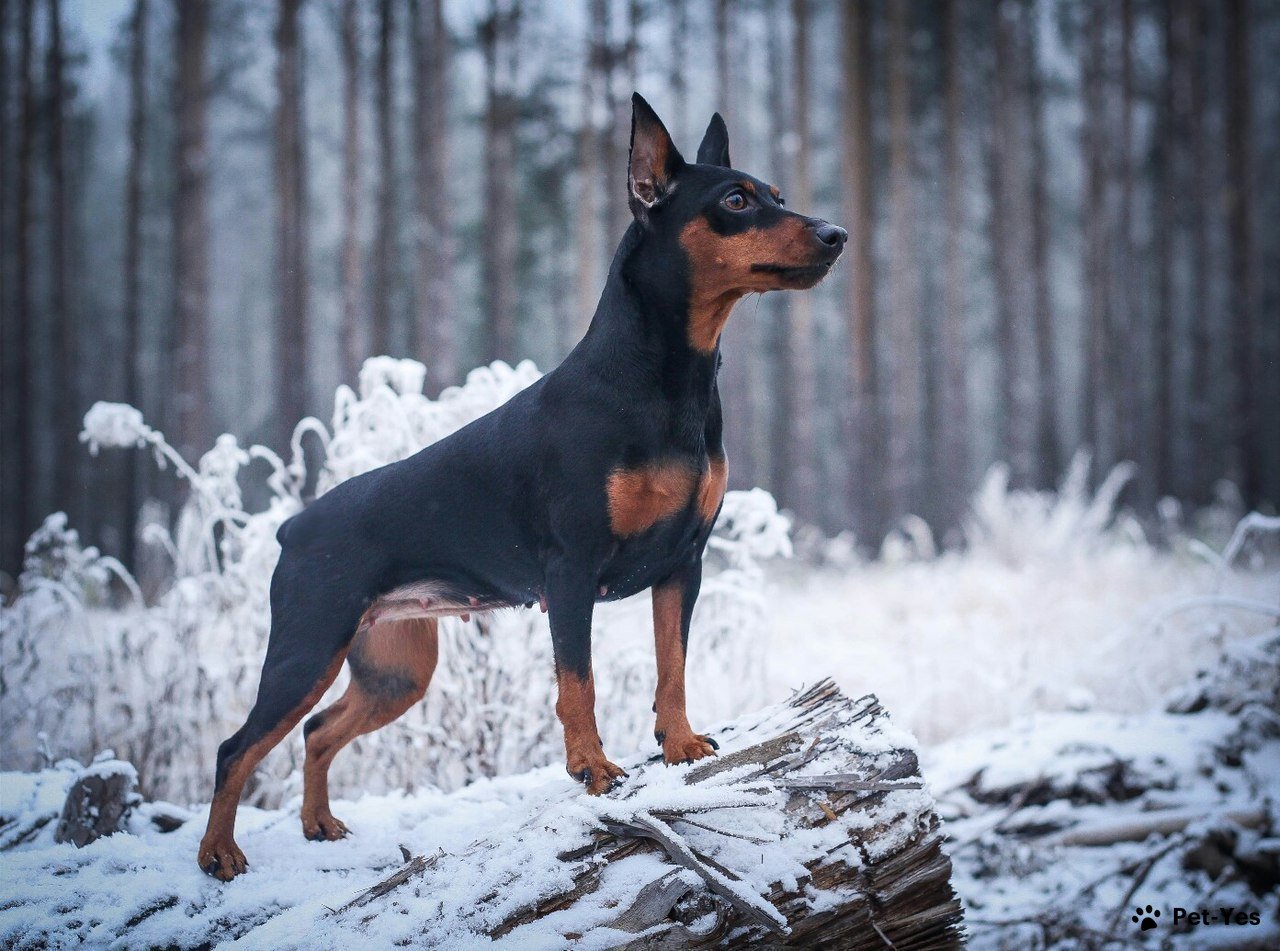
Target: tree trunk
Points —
{"points": [[880, 878], [614, 137], [384, 241], [433, 242], [587, 210], [352, 266], [499, 40], [1173, 134], [739, 343], [1204, 445], [1124, 336], [135, 182], [1246, 434], [1049, 451], [1096, 412], [800, 491], [676, 72], [26, 514], [778, 305], [905, 410], [291, 227], [64, 371], [191, 230], [857, 140], [952, 426]]}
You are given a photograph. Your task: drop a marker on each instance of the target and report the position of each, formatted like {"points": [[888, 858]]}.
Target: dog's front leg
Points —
{"points": [[570, 596], [673, 602]]}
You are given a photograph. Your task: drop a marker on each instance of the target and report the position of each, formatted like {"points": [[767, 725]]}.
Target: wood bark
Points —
{"points": [[1246, 435], [291, 226], [432, 233], [135, 183], [952, 426], [190, 357], [352, 264], [499, 41], [885, 883], [97, 805], [857, 141], [905, 356]]}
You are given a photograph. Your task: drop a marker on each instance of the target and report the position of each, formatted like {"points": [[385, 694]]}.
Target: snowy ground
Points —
{"points": [[1069, 680], [1176, 797]]}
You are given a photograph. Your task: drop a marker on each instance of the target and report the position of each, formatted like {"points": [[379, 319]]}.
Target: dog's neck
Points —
{"points": [[640, 329]]}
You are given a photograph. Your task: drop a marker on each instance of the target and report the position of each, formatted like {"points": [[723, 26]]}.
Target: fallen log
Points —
{"points": [[810, 829]]}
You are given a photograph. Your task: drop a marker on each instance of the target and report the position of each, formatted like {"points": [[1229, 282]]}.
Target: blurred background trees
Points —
{"points": [[1063, 233]]}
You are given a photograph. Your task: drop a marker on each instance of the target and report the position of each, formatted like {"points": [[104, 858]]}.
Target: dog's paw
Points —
{"points": [[324, 828], [222, 859], [686, 748], [599, 776]]}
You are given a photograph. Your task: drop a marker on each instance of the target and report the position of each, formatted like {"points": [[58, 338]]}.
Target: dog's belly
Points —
{"points": [[428, 598], [641, 563]]}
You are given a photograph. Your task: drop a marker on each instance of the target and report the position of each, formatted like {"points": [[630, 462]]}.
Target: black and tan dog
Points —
{"points": [[600, 480]]}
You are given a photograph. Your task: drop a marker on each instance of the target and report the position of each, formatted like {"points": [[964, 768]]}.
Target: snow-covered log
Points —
{"points": [[811, 829]]}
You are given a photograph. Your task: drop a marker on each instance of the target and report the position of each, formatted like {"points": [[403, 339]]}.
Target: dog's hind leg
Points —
{"points": [[391, 665], [304, 654]]}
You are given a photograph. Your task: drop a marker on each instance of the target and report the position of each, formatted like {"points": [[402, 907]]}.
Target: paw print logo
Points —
{"points": [[1147, 916]]}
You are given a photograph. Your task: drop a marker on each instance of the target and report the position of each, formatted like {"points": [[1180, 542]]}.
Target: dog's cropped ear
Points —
{"points": [[714, 149], [654, 158]]}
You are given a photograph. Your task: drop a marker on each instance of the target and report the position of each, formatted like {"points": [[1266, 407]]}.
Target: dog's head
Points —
{"points": [[734, 232]]}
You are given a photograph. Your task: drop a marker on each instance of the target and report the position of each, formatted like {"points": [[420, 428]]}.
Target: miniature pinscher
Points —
{"points": [[601, 479]]}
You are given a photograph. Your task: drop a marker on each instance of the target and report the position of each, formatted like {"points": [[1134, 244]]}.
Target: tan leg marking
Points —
{"points": [[583, 753], [711, 488], [671, 728], [219, 855], [391, 664]]}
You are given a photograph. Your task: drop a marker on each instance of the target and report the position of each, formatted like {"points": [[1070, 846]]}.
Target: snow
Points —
{"points": [[493, 849], [1067, 679]]}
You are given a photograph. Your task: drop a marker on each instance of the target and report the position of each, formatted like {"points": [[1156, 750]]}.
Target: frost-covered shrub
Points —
{"points": [[86, 664], [1055, 601]]}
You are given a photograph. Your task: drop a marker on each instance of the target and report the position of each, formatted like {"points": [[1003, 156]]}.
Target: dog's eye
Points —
{"points": [[780, 200], [735, 201]]}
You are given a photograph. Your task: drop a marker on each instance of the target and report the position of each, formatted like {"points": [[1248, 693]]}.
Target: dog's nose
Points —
{"points": [[831, 236]]}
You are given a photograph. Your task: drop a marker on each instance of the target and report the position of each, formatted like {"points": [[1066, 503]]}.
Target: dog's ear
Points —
{"points": [[714, 149], [654, 158]]}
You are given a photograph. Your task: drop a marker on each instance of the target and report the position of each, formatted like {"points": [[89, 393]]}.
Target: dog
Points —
{"points": [[600, 480]]}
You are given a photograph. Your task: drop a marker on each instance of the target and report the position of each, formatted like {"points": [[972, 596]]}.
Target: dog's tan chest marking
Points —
{"points": [[639, 498]]}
